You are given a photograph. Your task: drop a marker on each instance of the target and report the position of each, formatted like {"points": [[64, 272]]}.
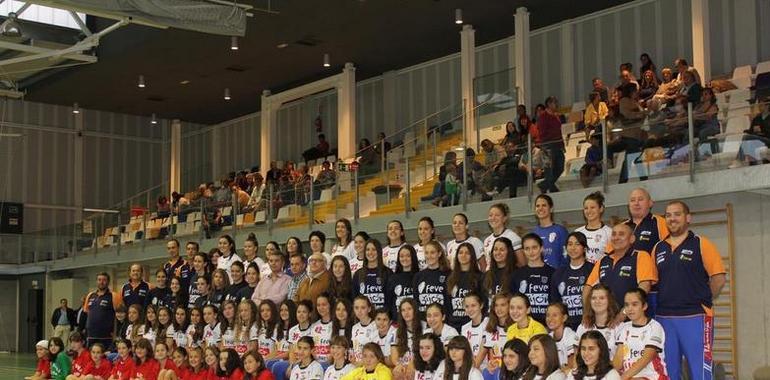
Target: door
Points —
{"points": [[35, 319]]}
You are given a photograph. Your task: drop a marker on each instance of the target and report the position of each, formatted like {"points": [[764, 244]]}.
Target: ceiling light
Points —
{"points": [[140, 83], [458, 16], [227, 94], [11, 27], [282, 45], [233, 43], [185, 82], [154, 120], [326, 60], [616, 130], [75, 109]]}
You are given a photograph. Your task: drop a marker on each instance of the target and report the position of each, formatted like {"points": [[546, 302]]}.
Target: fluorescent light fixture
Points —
{"points": [[458, 16], [227, 94], [616, 130], [326, 60], [140, 83], [283, 45], [233, 43], [154, 120], [75, 109]]}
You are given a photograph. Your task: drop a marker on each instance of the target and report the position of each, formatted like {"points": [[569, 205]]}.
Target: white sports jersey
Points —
{"points": [[420, 249], [475, 336], [151, 335], [447, 333], [282, 345], [241, 343], [313, 371], [494, 343], [355, 264], [227, 337], [130, 330], [344, 250], [190, 333], [322, 336], [211, 335], [427, 375], [295, 332], [609, 335], [225, 262], [632, 340], [266, 345], [262, 266], [390, 256], [452, 245], [475, 374], [566, 345], [179, 337], [386, 341], [612, 375], [361, 335], [336, 374], [490, 241], [597, 241], [406, 357], [556, 375]]}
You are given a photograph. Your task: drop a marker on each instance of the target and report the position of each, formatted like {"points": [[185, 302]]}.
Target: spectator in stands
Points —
{"points": [[691, 88], [474, 174], [647, 65], [649, 86], [513, 134], [369, 161], [274, 174], [302, 186], [705, 115], [325, 179], [539, 109], [552, 142], [630, 109], [510, 174], [540, 162], [241, 181], [603, 91], [756, 137], [593, 164], [318, 279], [667, 90], [256, 199], [629, 138], [223, 194], [382, 142], [522, 119], [321, 149], [297, 265], [682, 67], [489, 178], [596, 111], [100, 306], [178, 202], [241, 197], [63, 321], [163, 207], [626, 77], [136, 290]]}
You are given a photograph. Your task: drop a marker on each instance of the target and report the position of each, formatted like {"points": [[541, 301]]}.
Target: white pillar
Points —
{"points": [[467, 74], [746, 32], [521, 30], [568, 73], [267, 132], [389, 105], [346, 113], [701, 43], [175, 162]]}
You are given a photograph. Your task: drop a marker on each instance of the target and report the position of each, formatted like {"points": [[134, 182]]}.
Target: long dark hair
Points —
{"points": [[233, 362], [415, 262], [341, 289], [143, 343], [401, 332], [551, 357], [56, 341], [198, 328], [507, 272], [603, 366], [494, 321], [381, 268], [224, 324], [254, 354], [349, 321], [182, 296], [283, 330], [522, 350], [268, 326], [456, 273], [231, 242], [458, 343], [438, 354], [349, 229], [185, 324]]}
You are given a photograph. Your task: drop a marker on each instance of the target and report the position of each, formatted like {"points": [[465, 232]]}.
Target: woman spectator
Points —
{"points": [[512, 134], [648, 87], [647, 65], [596, 111], [523, 121], [705, 115], [369, 161]]}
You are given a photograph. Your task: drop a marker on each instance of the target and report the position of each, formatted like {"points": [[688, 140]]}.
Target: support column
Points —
{"points": [[746, 32], [346, 113], [701, 43], [175, 161], [521, 30], [568, 73], [467, 74], [77, 172], [389, 104], [267, 132]]}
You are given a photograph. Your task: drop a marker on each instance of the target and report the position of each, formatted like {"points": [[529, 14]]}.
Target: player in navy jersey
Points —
{"points": [[534, 280], [371, 280], [430, 283], [568, 281]]}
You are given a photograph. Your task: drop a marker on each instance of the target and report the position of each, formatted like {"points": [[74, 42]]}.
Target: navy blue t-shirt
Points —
{"points": [[536, 284], [399, 287], [567, 287], [430, 287], [373, 286]]}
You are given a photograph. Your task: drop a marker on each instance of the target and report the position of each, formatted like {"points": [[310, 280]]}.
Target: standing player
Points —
{"points": [[596, 232], [691, 276]]}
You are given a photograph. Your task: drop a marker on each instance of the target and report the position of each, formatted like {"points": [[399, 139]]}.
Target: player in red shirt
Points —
{"points": [[197, 369], [123, 368], [146, 367], [82, 358], [43, 370], [254, 367], [229, 367], [98, 368]]}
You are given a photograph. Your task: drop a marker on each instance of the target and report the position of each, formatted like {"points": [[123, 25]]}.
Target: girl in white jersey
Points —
{"points": [[409, 328], [343, 231], [321, 330], [227, 325], [462, 235], [359, 246], [543, 359], [267, 328], [227, 254], [495, 335], [429, 357], [211, 333], [426, 232], [474, 329], [396, 238], [194, 331], [565, 338], [600, 315], [176, 333], [597, 233], [459, 362], [498, 220], [593, 359], [306, 368], [386, 333], [640, 341], [287, 315], [302, 328], [434, 315], [365, 330], [339, 365]]}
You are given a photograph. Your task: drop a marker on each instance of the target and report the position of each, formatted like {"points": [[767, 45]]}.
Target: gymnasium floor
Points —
{"points": [[16, 366]]}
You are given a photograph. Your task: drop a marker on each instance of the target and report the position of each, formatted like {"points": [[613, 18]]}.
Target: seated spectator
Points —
{"points": [[705, 115], [256, 199], [626, 77], [756, 137], [178, 202], [691, 88], [541, 162], [509, 172], [321, 149], [290, 170], [630, 136], [630, 109], [682, 67], [223, 194], [369, 161], [240, 197], [667, 90], [596, 111], [163, 207], [603, 91], [241, 181], [647, 65], [512, 134], [273, 174], [439, 191], [326, 177], [649, 86], [488, 179], [302, 186], [523, 121], [593, 166], [381, 141], [474, 175]]}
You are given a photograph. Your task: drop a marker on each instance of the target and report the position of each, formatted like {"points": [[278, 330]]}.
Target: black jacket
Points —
{"points": [[71, 317]]}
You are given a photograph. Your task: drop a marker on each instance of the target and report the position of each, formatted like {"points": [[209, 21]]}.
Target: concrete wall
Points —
{"points": [[8, 314]]}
